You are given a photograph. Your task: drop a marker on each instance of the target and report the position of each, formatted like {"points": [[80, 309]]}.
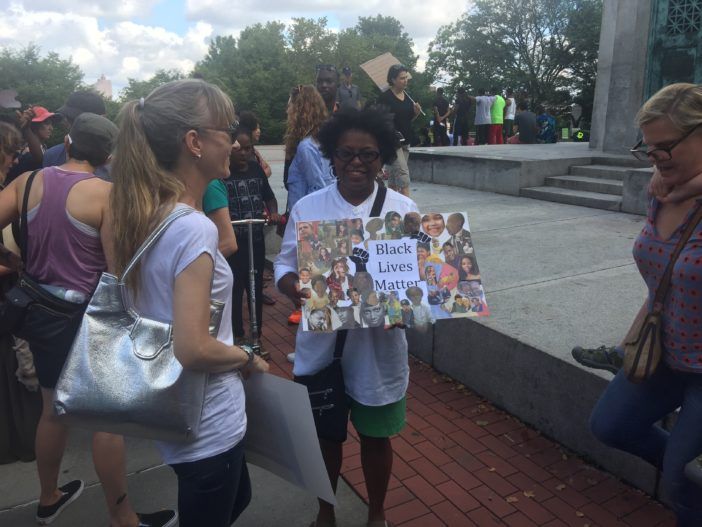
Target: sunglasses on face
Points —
{"points": [[232, 130], [365, 156]]}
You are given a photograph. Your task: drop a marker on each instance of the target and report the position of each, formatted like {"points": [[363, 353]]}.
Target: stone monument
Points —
{"points": [[644, 45]]}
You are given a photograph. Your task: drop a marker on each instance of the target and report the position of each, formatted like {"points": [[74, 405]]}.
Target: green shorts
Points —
{"points": [[379, 421]]}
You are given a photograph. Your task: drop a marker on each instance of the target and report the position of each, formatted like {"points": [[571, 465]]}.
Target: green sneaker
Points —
{"points": [[602, 358]]}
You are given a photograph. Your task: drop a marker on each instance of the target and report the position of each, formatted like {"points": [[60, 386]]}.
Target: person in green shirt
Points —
{"points": [[497, 117], [215, 204]]}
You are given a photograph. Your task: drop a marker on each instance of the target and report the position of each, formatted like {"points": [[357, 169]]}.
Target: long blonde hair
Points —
{"points": [[10, 140], [149, 144], [680, 102], [306, 113]]}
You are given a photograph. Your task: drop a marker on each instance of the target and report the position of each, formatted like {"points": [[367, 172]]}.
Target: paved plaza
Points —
{"points": [[553, 273]]}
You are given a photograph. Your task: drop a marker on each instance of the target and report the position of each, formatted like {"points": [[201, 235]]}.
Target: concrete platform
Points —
{"points": [[501, 168]]}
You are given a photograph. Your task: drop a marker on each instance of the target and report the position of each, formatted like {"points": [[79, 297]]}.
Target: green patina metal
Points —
{"points": [[674, 44]]}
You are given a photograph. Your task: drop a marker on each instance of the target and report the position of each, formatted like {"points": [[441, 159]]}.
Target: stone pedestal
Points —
{"points": [[621, 73]]}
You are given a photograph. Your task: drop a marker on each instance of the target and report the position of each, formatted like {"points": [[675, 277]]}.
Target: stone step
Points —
{"points": [[620, 161], [589, 184], [583, 198], [600, 171]]}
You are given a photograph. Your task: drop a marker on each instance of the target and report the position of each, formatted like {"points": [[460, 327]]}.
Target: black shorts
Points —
{"points": [[50, 337]]}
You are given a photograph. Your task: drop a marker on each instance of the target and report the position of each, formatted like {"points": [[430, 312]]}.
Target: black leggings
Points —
{"points": [[239, 263], [213, 491]]}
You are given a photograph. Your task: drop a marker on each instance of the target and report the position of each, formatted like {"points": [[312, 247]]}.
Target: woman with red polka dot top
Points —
{"points": [[626, 415]]}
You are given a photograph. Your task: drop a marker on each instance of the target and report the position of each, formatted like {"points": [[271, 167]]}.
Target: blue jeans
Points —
{"points": [[625, 418], [213, 491]]}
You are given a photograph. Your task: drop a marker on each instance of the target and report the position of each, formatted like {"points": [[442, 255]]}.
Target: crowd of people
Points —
{"points": [[499, 119], [85, 207]]}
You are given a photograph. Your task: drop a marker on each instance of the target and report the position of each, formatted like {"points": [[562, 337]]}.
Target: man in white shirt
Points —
{"points": [[483, 103], [510, 111]]}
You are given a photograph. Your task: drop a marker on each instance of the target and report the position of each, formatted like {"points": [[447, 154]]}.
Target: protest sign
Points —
{"points": [[281, 436], [377, 272]]}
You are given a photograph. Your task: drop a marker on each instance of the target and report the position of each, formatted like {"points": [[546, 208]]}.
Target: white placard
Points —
{"points": [[281, 436]]}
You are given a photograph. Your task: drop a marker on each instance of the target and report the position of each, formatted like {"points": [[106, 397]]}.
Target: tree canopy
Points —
{"points": [[258, 69], [44, 80], [545, 49]]}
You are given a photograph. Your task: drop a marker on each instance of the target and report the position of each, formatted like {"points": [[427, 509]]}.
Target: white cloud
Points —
{"points": [[124, 50], [102, 37], [111, 9]]}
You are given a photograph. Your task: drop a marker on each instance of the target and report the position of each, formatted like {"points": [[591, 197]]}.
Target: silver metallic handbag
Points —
{"points": [[121, 375]]}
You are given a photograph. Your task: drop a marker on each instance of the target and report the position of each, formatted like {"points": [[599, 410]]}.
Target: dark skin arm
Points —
{"points": [[289, 285], [273, 216], [33, 143]]}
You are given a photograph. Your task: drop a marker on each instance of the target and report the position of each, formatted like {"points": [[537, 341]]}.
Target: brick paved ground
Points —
{"points": [[462, 462]]}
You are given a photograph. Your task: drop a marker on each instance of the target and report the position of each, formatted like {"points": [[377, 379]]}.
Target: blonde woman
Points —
{"points": [[171, 145], [626, 415]]}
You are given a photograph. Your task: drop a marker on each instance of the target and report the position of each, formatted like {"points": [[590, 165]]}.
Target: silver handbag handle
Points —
{"points": [[152, 238]]}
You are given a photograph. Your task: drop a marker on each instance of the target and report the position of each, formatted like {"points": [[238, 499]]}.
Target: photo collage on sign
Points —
{"points": [[389, 271]]}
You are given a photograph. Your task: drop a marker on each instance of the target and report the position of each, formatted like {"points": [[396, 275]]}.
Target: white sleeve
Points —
{"points": [[191, 236], [286, 261]]}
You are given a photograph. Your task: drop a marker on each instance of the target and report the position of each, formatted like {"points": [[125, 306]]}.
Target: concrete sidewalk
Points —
{"points": [[152, 486]]}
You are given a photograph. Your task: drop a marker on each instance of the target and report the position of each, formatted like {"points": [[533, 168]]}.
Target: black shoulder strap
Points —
{"points": [[375, 211], [379, 201], [23, 216], [340, 341]]}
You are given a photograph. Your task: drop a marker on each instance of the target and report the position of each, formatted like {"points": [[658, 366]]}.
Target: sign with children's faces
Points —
{"points": [[373, 272]]}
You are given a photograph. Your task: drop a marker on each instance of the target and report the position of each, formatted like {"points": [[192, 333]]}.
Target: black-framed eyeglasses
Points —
{"points": [[662, 153], [232, 129], [325, 67], [365, 156]]}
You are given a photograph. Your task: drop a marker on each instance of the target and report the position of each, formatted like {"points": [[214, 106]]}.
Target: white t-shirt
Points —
{"points": [[511, 108], [483, 103], [223, 422], [375, 365]]}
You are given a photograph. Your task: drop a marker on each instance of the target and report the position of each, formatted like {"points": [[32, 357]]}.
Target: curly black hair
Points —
{"points": [[373, 120], [248, 120]]}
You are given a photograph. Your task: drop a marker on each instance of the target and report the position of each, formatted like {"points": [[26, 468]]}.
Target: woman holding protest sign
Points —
{"points": [[374, 361]]}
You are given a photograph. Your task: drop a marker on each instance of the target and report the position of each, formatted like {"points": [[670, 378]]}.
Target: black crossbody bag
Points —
{"points": [[330, 406], [29, 311]]}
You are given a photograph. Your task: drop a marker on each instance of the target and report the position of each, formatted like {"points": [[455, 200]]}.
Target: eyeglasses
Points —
{"points": [[663, 153], [365, 156], [232, 130], [325, 67]]}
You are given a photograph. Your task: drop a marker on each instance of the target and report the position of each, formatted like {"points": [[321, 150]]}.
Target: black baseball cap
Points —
{"points": [[82, 101]]}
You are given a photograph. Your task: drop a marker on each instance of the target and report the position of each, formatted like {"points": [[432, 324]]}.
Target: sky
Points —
{"points": [[125, 39]]}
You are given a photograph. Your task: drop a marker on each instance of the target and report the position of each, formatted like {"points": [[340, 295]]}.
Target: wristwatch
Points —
{"points": [[249, 352]]}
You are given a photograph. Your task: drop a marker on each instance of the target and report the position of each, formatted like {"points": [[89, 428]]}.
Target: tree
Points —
{"points": [[308, 43], [258, 69], [136, 89], [255, 72], [46, 81], [371, 37], [547, 49]]}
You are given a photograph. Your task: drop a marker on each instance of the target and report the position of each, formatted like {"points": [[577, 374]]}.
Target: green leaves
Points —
{"points": [[542, 48]]}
